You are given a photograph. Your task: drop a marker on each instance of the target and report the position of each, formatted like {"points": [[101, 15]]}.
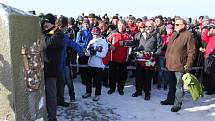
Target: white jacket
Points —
{"points": [[101, 46]]}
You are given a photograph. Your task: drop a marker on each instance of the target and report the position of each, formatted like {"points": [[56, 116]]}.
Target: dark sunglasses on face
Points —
{"points": [[148, 26], [178, 24]]}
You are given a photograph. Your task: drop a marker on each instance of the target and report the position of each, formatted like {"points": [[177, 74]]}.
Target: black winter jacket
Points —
{"points": [[53, 52]]}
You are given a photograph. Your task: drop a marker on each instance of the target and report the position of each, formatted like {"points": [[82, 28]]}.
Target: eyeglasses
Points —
{"points": [[178, 24], [148, 26]]}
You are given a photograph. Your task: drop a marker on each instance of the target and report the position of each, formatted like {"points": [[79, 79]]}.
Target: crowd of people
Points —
{"points": [[162, 50]]}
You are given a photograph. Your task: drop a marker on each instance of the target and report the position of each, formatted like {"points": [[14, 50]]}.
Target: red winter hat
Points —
{"points": [[96, 30]]}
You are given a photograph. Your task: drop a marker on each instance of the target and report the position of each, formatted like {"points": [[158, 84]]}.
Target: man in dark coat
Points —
{"points": [[53, 52]]}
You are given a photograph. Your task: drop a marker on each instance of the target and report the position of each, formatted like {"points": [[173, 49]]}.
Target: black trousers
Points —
{"points": [[143, 79], [172, 87], [209, 82], [117, 73], [83, 70], [51, 97], [60, 87], [105, 76], [95, 75]]}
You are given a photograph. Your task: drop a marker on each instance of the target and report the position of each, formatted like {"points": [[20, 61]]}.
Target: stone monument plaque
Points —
{"points": [[18, 102]]}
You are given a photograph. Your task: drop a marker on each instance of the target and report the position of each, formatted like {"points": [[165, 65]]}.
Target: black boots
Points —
{"points": [[166, 102], [111, 91], [175, 108], [136, 94]]}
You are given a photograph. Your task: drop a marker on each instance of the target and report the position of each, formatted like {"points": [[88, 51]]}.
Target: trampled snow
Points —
{"points": [[127, 108]]}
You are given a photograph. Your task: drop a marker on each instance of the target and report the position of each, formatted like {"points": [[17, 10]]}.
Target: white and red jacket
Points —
{"points": [[101, 47]]}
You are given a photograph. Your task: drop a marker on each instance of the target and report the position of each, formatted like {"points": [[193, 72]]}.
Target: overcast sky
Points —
{"points": [[138, 8]]}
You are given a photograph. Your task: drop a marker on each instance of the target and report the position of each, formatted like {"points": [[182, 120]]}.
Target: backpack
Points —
{"points": [[106, 59]]}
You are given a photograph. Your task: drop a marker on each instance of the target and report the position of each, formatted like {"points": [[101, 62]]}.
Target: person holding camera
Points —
{"points": [[53, 52], [147, 44], [96, 50]]}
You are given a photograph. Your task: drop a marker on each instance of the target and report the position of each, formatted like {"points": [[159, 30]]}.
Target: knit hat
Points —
{"points": [[96, 31], [139, 19], [50, 18], [80, 18], [144, 18], [131, 18], [92, 15]]}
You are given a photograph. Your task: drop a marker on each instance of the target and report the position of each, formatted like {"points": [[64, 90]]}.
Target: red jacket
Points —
{"points": [[205, 36], [211, 45], [210, 40], [120, 54]]}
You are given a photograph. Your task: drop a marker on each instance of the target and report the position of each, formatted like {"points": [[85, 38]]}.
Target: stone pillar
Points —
{"points": [[17, 103]]}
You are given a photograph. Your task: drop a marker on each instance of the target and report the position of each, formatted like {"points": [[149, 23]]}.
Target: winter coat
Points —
{"points": [[120, 54], [83, 37], [194, 86], [68, 43], [101, 47], [53, 52], [152, 43], [165, 41], [211, 45], [180, 51], [205, 36]]}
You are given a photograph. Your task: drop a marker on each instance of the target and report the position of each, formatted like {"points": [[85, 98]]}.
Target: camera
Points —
{"points": [[71, 33], [92, 50]]}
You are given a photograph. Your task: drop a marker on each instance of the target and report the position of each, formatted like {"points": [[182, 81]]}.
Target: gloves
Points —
{"points": [[93, 52], [187, 68]]}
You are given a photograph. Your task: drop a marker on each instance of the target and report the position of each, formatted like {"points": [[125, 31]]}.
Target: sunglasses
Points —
{"points": [[178, 24], [148, 26]]}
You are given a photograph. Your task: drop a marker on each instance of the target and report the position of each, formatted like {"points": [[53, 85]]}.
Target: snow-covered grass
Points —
{"points": [[126, 108]]}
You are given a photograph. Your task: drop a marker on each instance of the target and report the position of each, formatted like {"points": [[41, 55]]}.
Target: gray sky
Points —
{"points": [[138, 8]]}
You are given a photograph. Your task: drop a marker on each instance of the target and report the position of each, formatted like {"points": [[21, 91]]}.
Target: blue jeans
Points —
{"points": [[164, 76], [176, 91], [179, 89], [69, 81]]}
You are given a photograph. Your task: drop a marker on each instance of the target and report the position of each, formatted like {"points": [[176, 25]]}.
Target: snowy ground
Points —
{"points": [[126, 108]]}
